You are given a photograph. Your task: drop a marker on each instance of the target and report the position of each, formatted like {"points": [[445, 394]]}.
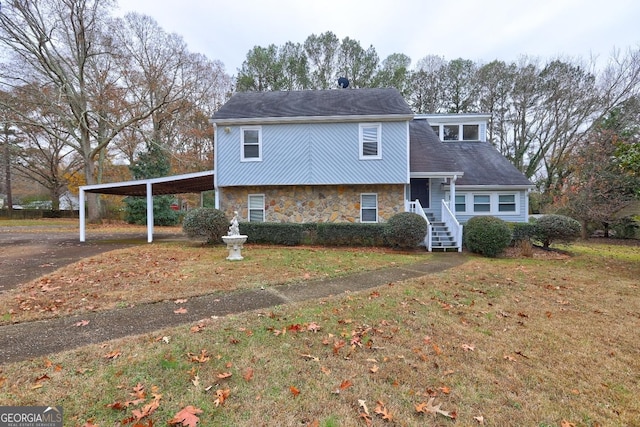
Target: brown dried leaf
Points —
{"points": [[429, 407], [187, 416], [222, 395]]}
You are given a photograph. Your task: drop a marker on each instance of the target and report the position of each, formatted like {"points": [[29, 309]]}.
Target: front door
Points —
{"points": [[420, 190]]}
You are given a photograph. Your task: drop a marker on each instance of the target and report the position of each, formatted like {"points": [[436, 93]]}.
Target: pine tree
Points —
{"points": [[153, 163]]}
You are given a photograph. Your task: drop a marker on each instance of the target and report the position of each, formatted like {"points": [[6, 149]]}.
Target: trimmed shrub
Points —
{"points": [[276, 233], [405, 230], [486, 235], [522, 231], [556, 228], [350, 234], [206, 223]]}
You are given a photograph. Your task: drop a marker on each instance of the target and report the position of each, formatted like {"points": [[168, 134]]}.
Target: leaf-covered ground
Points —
{"points": [[502, 342], [166, 271]]}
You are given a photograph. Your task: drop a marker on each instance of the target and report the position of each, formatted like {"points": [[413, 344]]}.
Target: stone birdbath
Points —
{"points": [[234, 240]]}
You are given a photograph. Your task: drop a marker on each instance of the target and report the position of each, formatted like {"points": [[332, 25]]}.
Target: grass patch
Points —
{"points": [[509, 341]]}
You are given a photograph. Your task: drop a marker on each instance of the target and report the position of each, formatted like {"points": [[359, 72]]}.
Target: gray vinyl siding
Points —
{"points": [[313, 154]]}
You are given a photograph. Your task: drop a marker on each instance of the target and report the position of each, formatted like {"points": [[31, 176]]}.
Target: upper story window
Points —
{"points": [[251, 143], [457, 132], [370, 141]]}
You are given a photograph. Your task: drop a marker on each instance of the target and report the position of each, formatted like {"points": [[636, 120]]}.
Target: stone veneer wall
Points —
{"points": [[308, 203]]}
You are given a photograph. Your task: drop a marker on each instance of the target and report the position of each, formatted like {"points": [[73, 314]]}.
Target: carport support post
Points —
{"points": [[81, 213], [149, 213]]}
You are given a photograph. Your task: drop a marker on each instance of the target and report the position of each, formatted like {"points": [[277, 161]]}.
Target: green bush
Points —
{"points": [[556, 228], [277, 233], [405, 230], [350, 234], [486, 235], [206, 223], [522, 231]]}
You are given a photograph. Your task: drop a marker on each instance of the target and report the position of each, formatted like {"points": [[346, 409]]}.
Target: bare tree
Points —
{"points": [[98, 84]]}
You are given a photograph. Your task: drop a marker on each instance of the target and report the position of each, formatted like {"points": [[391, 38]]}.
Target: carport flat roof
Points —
{"points": [[196, 182], [187, 183]]}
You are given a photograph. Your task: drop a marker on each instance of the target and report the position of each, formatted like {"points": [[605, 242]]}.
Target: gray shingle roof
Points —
{"points": [[481, 163], [314, 103]]}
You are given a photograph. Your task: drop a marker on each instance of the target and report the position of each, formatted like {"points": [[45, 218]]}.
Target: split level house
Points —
{"points": [[359, 155]]}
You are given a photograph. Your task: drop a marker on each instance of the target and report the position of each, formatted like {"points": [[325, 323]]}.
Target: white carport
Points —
{"points": [[178, 184]]}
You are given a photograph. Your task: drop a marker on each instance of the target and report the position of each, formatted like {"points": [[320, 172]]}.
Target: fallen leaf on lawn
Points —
{"points": [[479, 419], [37, 386], [113, 355], [437, 349], [200, 358], [294, 391], [146, 410], [188, 417], [248, 374], [374, 369], [81, 323], [221, 396], [365, 411], [42, 378], [310, 357], [313, 327], [196, 381], [180, 301], [89, 424], [429, 407], [224, 375], [181, 310], [510, 358], [338, 345], [565, 423], [444, 389], [383, 411], [325, 370], [197, 328], [343, 386], [467, 347]]}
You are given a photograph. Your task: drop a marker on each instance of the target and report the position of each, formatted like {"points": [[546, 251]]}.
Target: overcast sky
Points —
{"points": [[480, 30]]}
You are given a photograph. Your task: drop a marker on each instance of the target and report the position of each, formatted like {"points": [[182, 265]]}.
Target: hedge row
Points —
{"points": [[326, 234]]}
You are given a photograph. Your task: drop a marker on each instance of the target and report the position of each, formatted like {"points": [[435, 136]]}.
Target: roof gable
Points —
{"points": [[336, 103], [480, 162]]}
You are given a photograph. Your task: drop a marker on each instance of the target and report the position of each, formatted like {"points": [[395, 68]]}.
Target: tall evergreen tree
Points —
{"points": [[153, 163]]}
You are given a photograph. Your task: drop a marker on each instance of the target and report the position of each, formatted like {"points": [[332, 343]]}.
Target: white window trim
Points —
{"points": [[251, 159], [466, 203], [461, 126], [368, 208], [249, 207], [494, 202], [361, 141]]}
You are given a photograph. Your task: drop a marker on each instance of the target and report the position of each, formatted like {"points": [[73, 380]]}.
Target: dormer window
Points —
{"points": [[458, 132]]}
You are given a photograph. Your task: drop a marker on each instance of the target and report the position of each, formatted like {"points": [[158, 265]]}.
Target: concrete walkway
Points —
{"points": [[24, 341]]}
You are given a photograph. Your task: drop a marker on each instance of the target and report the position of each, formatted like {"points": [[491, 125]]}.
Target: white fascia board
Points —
{"points": [[94, 187], [314, 119], [493, 187], [435, 174], [467, 118]]}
